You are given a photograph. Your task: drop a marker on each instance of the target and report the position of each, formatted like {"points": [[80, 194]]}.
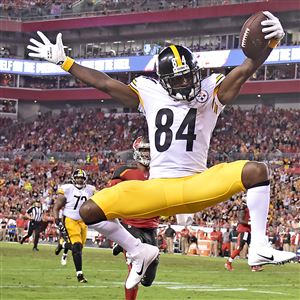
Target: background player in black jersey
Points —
{"points": [[144, 229]]}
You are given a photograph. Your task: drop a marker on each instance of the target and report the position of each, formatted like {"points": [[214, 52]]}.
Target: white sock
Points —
{"points": [[78, 272], [258, 200], [114, 231]]}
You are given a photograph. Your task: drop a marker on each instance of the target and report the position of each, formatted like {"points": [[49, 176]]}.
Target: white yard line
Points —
{"points": [[168, 285]]}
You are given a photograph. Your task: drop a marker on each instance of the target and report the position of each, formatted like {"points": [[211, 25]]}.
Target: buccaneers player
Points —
{"points": [[144, 229], [244, 236]]}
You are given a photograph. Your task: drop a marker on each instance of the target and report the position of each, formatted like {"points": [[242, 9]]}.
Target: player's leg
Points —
{"points": [[141, 254], [64, 257], [131, 294], [59, 246], [255, 177], [74, 232], [37, 230], [29, 232], [236, 252], [149, 236]]}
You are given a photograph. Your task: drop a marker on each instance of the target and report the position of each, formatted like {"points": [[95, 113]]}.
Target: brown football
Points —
{"points": [[252, 39]]}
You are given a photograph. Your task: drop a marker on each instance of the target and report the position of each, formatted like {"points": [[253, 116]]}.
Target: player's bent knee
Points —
{"points": [[254, 174], [91, 213]]}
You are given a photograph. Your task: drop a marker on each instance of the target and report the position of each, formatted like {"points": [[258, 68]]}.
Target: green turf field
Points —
{"points": [[38, 275]]}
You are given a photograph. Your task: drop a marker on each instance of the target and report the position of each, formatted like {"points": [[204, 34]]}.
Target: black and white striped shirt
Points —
{"points": [[36, 213]]}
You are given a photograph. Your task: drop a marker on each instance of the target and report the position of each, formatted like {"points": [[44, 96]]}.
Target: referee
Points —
{"points": [[34, 213]]}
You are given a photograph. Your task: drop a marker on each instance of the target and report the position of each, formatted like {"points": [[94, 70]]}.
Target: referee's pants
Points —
{"points": [[34, 226]]}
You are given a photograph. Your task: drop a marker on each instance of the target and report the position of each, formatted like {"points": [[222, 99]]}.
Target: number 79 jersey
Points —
{"points": [[75, 198], [179, 131]]}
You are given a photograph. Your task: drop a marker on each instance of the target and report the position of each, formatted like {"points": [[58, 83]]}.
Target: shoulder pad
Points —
{"points": [[150, 78]]}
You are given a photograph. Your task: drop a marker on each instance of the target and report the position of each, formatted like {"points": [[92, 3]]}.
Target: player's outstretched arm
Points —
{"points": [[59, 203], [55, 53], [231, 85]]}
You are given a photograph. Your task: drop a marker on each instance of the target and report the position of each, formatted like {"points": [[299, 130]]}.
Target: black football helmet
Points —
{"points": [[79, 178], [179, 72], [141, 151]]}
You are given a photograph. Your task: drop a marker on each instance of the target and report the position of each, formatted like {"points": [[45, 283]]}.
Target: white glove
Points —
{"points": [[274, 28], [48, 51]]}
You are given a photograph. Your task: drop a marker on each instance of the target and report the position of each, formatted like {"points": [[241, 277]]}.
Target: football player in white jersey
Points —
{"points": [[70, 198], [181, 110]]}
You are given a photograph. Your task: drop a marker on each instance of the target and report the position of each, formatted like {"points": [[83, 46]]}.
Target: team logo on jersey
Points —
{"points": [[202, 97]]}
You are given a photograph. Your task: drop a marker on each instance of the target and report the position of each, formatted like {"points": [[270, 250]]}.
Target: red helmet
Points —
{"points": [[141, 151]]}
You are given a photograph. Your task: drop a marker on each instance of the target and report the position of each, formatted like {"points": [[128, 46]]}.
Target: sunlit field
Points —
{"points": [[38, 275]]}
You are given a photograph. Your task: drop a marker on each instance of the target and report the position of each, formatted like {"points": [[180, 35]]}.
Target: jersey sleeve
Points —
{"points": [[64, 190], [91, 189], [60, 191], [217, 105], [211, 85], [144, 87]]}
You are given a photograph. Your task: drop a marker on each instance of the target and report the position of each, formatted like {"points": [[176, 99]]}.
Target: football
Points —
{"points": [[252, 39]]}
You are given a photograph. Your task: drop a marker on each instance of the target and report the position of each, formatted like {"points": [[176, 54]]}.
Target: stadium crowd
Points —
{"points": [[36, 9], [99, 137], [90, 131]]}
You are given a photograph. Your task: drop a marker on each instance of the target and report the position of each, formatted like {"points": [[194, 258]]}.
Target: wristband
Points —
{"points": [[67, 64], [273, 43]]}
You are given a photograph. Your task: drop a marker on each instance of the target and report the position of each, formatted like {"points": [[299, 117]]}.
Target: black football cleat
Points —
{"points": [[117, 249], [35, 249], [81, 278], [58, 249]]}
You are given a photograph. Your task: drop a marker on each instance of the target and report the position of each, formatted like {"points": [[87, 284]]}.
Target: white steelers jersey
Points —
{"points": [[179, 131], [75, 198]]}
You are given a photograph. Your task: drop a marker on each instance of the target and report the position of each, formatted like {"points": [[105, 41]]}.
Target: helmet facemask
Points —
{"points": [[141, 151], [184, 85]]}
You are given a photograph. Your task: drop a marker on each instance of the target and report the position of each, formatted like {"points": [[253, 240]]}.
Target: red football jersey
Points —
{"points": [[246, 218], [125, 173]]}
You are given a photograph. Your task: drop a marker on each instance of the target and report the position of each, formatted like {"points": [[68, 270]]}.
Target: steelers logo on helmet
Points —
{"points": [[79, 178], [141, 151], [179, 73]]}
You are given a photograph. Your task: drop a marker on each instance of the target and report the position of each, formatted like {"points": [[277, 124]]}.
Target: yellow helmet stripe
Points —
{"points": [[176, 54]]}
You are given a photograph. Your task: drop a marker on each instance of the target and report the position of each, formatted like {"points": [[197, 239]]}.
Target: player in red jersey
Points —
{"points": [[144, 229], [244, 237]]}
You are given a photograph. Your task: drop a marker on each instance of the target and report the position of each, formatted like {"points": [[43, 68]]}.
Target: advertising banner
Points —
{"points": [[206, 59]]}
